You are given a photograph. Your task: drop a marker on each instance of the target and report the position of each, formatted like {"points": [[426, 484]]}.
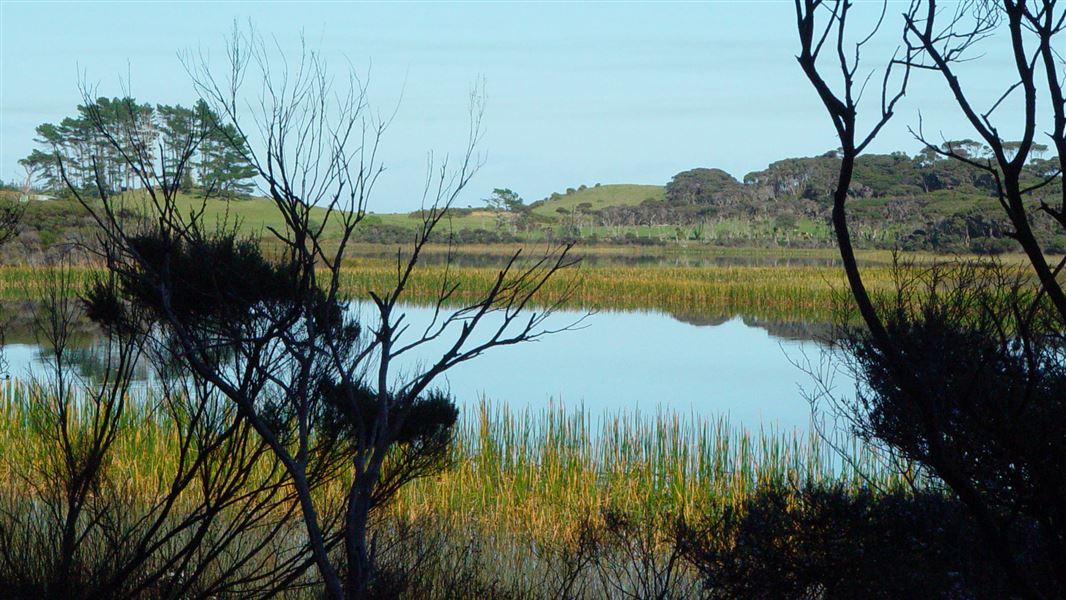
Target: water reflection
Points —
{"points": [[710, 365], [798, 331]]}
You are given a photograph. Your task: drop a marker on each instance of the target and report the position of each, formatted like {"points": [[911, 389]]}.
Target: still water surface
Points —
{"points": [[630, 361]]}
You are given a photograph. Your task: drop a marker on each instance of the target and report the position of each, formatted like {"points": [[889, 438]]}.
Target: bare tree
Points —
{"points": [[842, 106], [212, 519], [941, 407], [939, 41], [265, 323]]}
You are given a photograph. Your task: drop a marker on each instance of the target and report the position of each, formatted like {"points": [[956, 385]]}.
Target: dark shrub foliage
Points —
{"points": [[973, 389], [350, 408], [205, 280], [827, 542], [998, 405]]}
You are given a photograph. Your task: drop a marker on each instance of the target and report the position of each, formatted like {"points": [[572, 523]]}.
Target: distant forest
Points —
{"points": [[927, 201], [923, 202]]}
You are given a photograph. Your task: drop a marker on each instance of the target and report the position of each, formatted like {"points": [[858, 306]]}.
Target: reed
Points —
{"points": [[785, 293], [142, 457], [535, 470], [525, 488], [542, 470]]}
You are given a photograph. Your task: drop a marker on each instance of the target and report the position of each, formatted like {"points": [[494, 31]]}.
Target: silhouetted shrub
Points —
{"points": [[826, 542], [172, 277], [973, 389]]}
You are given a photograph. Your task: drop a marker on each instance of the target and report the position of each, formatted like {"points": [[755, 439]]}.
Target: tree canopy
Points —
{"points": [[220, 164]]}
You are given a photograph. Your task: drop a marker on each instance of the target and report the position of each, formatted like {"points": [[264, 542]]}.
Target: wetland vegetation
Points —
{"points": [[240, 381]]}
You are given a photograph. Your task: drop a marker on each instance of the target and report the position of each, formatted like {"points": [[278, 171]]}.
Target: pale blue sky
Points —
{"points": [[577, 93]]}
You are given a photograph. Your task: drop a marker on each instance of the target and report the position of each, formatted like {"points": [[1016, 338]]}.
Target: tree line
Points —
{"points": [[924, 201], [914, 193], [895, 175], [914, 202]]}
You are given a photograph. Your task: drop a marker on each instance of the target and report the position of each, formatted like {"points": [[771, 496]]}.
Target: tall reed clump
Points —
{"points": [[785, 293], [542, 470], [782, 293], [538, 469]]}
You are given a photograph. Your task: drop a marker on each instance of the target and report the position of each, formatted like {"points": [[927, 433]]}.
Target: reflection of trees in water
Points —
{"points": [[702, 320], [16, 320], [85, 351], [800, 331], [90, 361], [792, 330]]}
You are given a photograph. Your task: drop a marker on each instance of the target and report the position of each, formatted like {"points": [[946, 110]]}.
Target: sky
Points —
{"points": [[576, 93]]}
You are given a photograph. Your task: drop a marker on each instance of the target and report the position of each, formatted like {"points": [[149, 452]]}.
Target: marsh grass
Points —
{"points": [[535, 470], [564, 503], [245, 543], [785, 293], [541, 469], [531, 498], [781, 293]]}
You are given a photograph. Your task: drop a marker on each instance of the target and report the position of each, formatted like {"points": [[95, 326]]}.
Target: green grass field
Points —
{"points": [[255, 214], [481, 219], [561, 216], [779, 293], [599, 197]]}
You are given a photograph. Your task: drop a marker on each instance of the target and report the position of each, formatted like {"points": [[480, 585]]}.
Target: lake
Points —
{"points": [[631, 361]]}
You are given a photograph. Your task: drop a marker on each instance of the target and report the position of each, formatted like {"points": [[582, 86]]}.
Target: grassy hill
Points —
{"points": [[943, 220], [477, 219], [253, 214], [257, 214], [598, 197]]}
